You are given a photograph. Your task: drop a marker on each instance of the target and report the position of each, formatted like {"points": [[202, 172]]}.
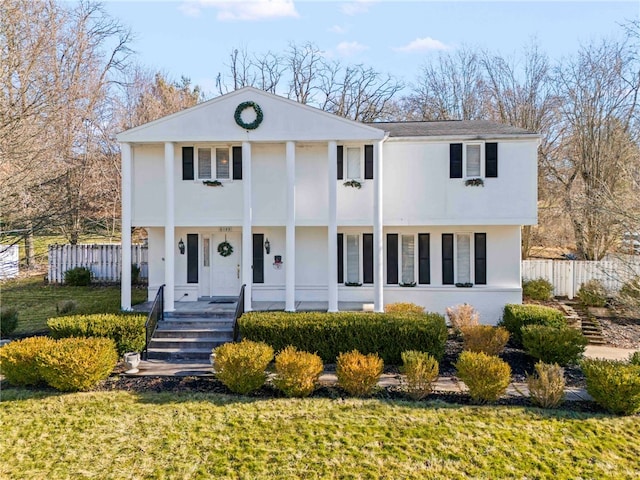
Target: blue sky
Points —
{"points": [[195, 37]]}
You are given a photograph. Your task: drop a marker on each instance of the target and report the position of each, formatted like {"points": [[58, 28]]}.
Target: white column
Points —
{"points": [[332, 230], [125, 278], [290, 251], [169, 228], [378, 248], [247, 224]]}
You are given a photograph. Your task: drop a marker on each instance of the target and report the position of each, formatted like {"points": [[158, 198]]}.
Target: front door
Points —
{"points": [[224, 264]]}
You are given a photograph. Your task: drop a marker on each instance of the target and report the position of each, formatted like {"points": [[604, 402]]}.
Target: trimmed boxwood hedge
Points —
{"points": [[329, 334], [517, 316], [126, 330]]}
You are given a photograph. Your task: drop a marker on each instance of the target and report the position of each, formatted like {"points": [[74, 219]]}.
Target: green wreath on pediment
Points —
{"points": [[225, 249], [256, 108]]}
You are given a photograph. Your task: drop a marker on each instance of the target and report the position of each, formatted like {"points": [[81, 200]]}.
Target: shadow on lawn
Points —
{"points": [[161, 390]]}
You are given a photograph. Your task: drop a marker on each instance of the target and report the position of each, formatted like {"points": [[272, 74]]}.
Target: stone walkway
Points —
{"points": [[443, 384]]}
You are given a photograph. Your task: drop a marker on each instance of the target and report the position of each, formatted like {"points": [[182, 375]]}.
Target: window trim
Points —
{"points": [[465, 146], [345, 257], [345, 163], [416, 257], [213, 160]]}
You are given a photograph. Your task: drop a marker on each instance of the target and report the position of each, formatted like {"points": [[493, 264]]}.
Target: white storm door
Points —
{"points": [[226, 271]]}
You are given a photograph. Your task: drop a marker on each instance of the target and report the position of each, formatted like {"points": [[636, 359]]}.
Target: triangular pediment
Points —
{"points": [[283, 120]]}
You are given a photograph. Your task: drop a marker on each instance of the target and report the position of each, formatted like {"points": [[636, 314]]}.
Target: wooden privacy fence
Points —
{"points": [[104, 261], [567, 276]]}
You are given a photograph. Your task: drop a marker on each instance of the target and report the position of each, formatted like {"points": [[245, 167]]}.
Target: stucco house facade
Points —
{"points": [[301, 205]]}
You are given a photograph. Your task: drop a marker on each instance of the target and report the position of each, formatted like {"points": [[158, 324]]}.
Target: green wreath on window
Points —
{"points": [[225, 249], [241, 108]]}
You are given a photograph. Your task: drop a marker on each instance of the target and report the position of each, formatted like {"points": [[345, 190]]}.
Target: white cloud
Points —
{"points": [[422, 45], [357, 7], [234, 10], [347, 49], [338, 29]]}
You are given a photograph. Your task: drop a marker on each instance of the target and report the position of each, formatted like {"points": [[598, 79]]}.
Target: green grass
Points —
{"points": [[36, 302], [184, 436]]}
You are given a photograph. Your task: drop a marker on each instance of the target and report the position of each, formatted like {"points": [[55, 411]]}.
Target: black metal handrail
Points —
{"points": [[238, 314], [155, 315]]}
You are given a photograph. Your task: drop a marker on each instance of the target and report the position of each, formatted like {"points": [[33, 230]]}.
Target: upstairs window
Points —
{"points": [[473, 160], [355, 163], [210, 163]]}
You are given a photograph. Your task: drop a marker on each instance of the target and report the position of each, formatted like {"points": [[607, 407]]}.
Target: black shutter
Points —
{"points": [[491, 160], [455, 160], [480, 249], [424, 259], [192, 258], [447, 259], [340, 158], [187, 163], [258, 258], [367, 258], [340, 258], [392, 258], [368, 162], [237, 163]]}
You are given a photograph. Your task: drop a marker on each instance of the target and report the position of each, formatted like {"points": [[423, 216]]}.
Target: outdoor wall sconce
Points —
{"points": [[267, 246], [181, 247]]}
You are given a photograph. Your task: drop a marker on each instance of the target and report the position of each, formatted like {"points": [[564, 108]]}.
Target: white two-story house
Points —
{"points": [[301, 205]]}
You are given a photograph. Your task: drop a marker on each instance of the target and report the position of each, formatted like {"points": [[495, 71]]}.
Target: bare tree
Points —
{"points": [[600, 89], [451, 88], [358, 93], [306, 65], [519, 92]]}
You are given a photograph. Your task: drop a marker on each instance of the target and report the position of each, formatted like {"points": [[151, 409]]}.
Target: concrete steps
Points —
{"points": [[190, 336]]}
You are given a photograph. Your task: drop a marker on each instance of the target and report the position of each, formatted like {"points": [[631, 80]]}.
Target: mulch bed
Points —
{"points": [[520, 363]]}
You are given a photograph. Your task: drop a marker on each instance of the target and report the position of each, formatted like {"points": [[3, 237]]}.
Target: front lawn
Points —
{"points": [[36, 301], [204, 435]]}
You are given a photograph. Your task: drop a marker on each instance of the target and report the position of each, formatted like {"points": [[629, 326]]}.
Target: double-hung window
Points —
{"points": [[408, 259], [464, 258], [355, 162], [211, 163], [355, 258], [473, 160]]}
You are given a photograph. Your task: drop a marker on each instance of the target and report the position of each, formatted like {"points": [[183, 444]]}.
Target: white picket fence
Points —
{"points": [[567, 276], [9, 261], [104, 261]]}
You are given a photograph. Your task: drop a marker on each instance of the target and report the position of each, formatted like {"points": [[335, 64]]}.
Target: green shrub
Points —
{"points": [[546, 385], [420, 370], [135, 274], [634, 358], [66, 307], [19, 360], [403, 307], [539, 289], [8, 320], [358, 374], [329, 334], [77, 277], [485, 376], [241, 366], [631, 289], [485, 338], [463, 316], [614, 385], [77, 364], [126, 330], [562, 345], [297, 372], [592, 294], [517, 316]]}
